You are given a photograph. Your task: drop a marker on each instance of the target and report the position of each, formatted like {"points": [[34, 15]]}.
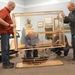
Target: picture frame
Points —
{"points": [[48, 20], [17, 21], [40, 24], [56, 23], [66, 27]]}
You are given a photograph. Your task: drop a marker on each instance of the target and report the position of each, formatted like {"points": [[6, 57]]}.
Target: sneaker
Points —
{"points": [[8, 66]]}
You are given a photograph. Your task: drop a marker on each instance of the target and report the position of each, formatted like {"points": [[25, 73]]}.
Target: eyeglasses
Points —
{"points": [[12, 6]]}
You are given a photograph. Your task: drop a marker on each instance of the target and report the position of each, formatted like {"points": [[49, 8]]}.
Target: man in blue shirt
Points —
{"points": [[31, 40]]}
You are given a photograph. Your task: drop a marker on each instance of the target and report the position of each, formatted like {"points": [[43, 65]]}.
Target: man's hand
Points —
{"points": [[63, 15], [12, 25], [57, 41]]}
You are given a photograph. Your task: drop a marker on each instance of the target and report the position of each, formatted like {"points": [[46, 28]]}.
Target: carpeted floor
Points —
{"points": [[68, 68]]}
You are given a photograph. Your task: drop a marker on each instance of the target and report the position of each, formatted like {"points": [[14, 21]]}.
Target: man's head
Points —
{"points": [[11, 5], [70, 6], [31, 34], [58, 31]]}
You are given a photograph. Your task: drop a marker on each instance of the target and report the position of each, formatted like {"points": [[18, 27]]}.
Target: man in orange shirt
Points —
{"points": [[6, 28]]}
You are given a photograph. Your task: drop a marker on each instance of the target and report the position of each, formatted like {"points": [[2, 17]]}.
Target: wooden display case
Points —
{"points": [[54, 14]]}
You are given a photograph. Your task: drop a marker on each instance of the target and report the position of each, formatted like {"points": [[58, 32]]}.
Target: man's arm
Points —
{"points": [[3, 22], [6, 24], [70, 18], [66, 41], [3, 15], [55, 39], [26, 41]]}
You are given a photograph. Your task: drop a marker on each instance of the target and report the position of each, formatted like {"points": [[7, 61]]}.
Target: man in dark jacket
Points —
{"points": [[71, 20]]}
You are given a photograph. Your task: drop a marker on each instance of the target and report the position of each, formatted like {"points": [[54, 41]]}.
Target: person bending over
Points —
{"points": [[31, 40]]}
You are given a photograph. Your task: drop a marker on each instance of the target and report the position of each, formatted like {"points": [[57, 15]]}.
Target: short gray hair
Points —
{"points": [[71, 3], [11, 3]]}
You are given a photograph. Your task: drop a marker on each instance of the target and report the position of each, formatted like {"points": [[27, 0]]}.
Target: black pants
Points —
{"points": [[28, 53], [73, 45], [58, 51]]}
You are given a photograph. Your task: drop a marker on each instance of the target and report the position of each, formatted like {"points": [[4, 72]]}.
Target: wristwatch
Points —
{"points": [[9, 25]]}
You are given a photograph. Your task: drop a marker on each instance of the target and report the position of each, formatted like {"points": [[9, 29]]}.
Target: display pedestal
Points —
{"points": [[28, 29]]}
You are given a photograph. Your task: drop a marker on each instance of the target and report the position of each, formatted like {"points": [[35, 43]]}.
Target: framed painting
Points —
{"points": [[48, 20], [66, 27], [56, 23], [40, 24]]}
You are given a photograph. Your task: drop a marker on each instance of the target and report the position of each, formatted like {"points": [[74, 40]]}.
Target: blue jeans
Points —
{"points": [[73, 45], [5, 48]]}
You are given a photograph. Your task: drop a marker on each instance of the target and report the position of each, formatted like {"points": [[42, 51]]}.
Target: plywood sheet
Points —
{"points": [[47, 63]]}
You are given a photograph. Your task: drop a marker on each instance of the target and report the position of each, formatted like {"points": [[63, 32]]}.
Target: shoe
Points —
{"points": [[8, 66], [59, 53], [73, 59], [29, 57], [35, 57], [11, 63], [65, 57]]}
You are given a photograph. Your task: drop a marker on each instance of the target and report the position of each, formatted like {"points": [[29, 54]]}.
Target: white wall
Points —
{"points": [[73, 1], [58, 6]]}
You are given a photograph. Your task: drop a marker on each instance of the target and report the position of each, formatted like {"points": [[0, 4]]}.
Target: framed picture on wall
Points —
{"points": [[66, 27], [40, 24], [48, 20], [56, 23], [17, 21]]}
